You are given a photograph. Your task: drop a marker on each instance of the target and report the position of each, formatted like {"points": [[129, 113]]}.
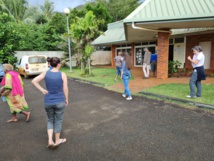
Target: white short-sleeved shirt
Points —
{"points": [[200, 56]]}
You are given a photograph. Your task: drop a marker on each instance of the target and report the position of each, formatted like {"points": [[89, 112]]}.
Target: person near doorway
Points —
{"points": [[118, 60], [15, 98], [126, 75], [198, 71], [56, 98], [154, 64], [146, 63]]}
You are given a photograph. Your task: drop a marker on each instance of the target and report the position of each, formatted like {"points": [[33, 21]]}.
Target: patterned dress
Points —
{"points": [[17, 103]]}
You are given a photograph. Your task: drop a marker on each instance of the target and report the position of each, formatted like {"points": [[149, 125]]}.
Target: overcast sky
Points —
{"points": [[60, 5]]}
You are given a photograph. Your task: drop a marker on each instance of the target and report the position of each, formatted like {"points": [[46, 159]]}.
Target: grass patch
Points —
{"points": [[101, 75], [181, 90]]}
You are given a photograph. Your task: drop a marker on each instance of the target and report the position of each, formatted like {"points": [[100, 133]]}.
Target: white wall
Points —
{"points": [[98, 57], [206, 47], [101, 58]]}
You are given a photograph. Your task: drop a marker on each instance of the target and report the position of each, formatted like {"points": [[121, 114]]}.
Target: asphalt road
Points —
{"points": [[101, 126]]}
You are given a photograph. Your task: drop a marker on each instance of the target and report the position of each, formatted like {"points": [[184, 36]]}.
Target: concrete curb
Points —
{"points": [[86, 81], [198, 104]]}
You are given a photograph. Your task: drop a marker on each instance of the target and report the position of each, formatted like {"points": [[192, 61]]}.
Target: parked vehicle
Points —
{"points": [[1, 72], [32, 65]]}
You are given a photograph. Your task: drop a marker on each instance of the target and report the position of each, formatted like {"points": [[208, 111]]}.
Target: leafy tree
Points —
{"points": [[9, 38], [58, 22], [38, 38], [101, 13], [74, 13], [119, 9], [82, 33]]}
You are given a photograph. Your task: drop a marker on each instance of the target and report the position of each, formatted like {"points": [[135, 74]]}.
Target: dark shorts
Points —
{"points": [[118, 70], [153, 66]]}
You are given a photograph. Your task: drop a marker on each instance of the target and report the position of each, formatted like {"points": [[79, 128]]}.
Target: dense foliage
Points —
{"points": [[9, 38], [39, 28]]}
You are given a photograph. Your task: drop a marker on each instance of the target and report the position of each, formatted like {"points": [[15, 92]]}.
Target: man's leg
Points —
{"points": [[147, 68], [144, 70]]}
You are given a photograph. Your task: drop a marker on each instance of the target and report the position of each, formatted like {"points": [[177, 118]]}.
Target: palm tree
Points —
{"points": [[15, 8], [19, 10], [47, 9]]}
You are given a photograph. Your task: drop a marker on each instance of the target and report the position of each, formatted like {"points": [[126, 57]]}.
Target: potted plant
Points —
{"points": [[173, 67]]}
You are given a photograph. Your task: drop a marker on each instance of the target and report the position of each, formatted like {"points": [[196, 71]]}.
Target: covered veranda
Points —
{"points": [[153, 20]]}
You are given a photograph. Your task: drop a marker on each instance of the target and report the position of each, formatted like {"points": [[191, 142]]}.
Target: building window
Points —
{"points": [[179, 40], [144, 43], [139, 54], [124, 50], [170, 41], [152, 42], [138, 44]]}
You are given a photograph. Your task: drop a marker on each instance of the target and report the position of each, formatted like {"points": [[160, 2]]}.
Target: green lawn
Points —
{"points": [[181, 90], [106, 77], [101, 75]]}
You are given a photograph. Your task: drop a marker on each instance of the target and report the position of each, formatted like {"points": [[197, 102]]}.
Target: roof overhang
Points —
{"points": [[135, 35], [114, 35]]}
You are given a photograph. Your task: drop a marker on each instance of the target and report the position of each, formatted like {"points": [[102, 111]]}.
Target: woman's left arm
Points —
{"points": [[36, 81], [65, 87]]}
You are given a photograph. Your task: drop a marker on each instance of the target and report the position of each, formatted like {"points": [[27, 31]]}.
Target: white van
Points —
{"points": [[32, 65]]}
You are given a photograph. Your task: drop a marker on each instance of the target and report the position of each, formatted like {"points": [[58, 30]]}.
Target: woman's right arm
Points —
{"points": [[36, 81], [65, 87]]}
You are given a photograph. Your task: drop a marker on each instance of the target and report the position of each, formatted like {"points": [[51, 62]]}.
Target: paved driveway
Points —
{"points": [[101, 126]]}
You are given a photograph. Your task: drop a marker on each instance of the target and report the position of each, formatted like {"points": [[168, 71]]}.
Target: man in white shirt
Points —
{"points": [[146, 63]]}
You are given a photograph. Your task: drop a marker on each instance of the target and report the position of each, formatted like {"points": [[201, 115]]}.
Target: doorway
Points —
{"points": [[206, 47], [171, 49]]}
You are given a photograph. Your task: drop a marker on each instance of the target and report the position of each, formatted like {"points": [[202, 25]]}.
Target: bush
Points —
{"points": [[173, 66]]}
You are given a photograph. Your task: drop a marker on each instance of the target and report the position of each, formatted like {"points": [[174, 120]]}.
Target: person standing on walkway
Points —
{"points": [[146, 63], [198, 71], [56, 98], [118, 60], [15, 98], [154, 64], [126, 75]]}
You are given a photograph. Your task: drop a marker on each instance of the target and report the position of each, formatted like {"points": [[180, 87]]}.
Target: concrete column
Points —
{"points": [[163, 55]]}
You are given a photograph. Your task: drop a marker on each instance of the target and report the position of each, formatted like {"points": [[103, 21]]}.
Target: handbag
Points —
{"points": [[4, 92]]}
